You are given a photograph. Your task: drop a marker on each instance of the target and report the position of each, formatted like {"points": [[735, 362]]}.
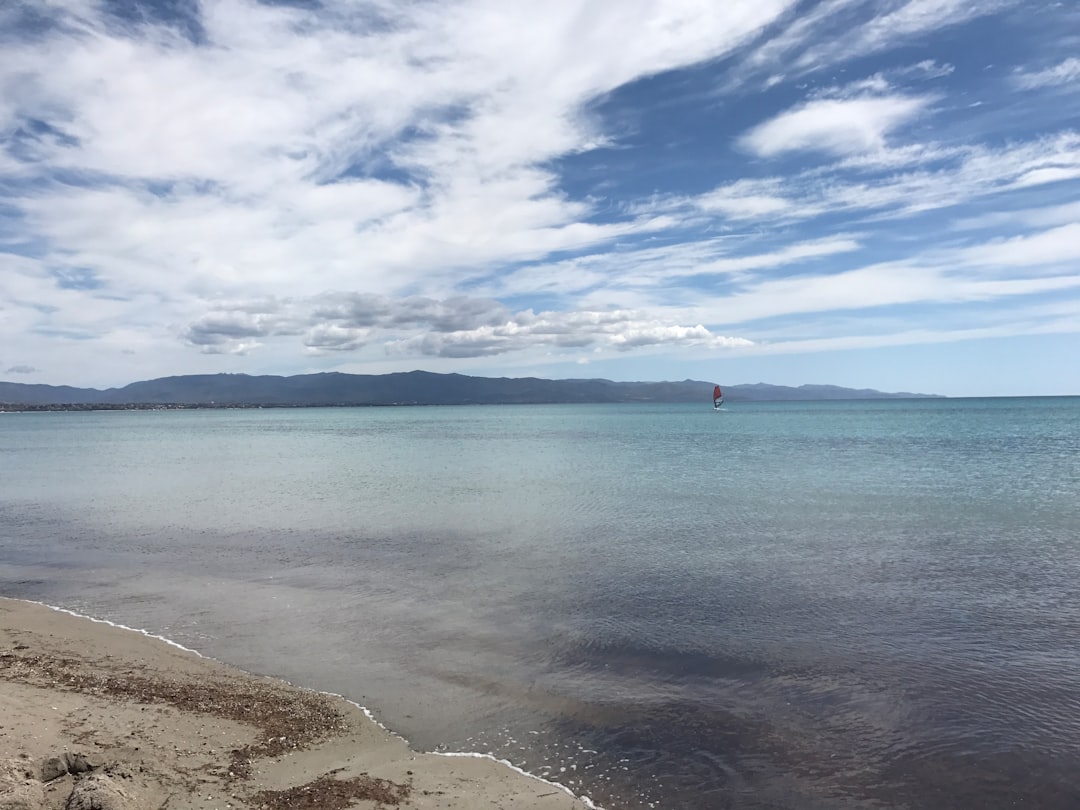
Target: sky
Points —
{"points": [[868, 193]]}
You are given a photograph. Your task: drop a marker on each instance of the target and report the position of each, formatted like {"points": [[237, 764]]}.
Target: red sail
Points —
{"points": [[716, 393]]}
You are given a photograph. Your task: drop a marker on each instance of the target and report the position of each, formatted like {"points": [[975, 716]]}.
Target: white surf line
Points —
{"points": [[475, 754], [583, 799], [146, 633], [367, 712]]}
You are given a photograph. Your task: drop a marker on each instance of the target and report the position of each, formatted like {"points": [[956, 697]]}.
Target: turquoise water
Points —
{"points": [[843, 604]]}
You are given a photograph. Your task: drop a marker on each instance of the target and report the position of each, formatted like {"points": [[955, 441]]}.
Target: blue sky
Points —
{"points": [[869, 193]]}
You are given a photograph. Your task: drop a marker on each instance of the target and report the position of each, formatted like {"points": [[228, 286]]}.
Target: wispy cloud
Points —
{"points": [[893, 23], [1057, 246], [927, 69], [1064, 73], [884, 285], [930, 179], [832, 32], [1043, 217]]}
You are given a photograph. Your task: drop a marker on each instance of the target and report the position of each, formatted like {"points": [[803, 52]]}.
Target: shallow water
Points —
{"points": [[859, 604]]}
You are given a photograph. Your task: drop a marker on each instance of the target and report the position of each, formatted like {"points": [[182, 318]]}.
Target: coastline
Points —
{"points": [[139, 721]]}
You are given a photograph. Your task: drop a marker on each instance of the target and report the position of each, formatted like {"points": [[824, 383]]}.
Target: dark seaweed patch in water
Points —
{"points": [[634, 660]]}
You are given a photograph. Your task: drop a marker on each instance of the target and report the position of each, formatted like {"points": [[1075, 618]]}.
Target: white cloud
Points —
{"points": [[917, 16], [1057, 246], [893, 24], [616, 329], [1066, 72], [218, 162], [791, 254], [834, 126], [936, 179], [1045, 217], [995, 270], [746, 200], [1047, 174], [926, 69], [823, 35], [875, 85], [801, 29], [917, 337], [243, 133], [866, 288], [659, 276]]}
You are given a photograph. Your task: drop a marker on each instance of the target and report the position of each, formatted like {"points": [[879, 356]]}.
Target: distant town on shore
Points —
{"points": [[334, 389]]}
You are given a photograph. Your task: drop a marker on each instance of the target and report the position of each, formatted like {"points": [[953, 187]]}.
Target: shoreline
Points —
{"points": [[120, 712]]}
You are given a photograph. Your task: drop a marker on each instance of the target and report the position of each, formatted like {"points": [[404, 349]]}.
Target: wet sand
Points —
{"points": [[93, 715]]}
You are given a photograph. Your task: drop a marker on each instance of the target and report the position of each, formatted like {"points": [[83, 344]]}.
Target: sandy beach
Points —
{"points": [[97, 716]]}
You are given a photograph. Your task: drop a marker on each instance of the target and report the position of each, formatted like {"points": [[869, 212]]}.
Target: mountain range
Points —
{"points": [[406, 388]]}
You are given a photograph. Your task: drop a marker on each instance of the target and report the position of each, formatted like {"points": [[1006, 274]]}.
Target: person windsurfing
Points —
{"points": [[717, 396]]}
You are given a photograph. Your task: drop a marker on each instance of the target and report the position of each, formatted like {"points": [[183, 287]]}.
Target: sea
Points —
{"points": [[856, 604]]}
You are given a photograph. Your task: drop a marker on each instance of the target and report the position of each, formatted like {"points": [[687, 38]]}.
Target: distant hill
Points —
{"points": [[410, 388]]}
